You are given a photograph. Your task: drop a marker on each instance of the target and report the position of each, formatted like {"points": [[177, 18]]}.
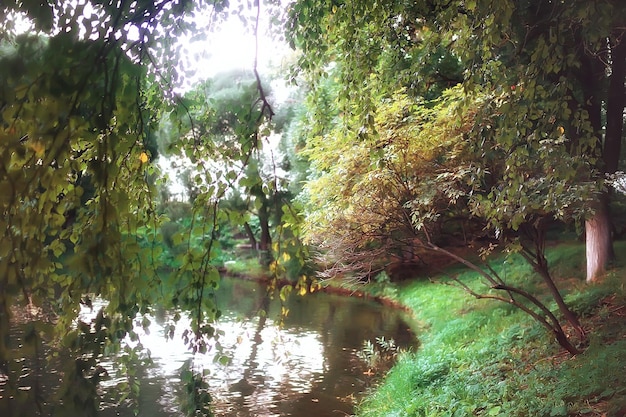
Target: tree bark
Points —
{"points": [[615, 105], [253, 243], [598, 228], [599, 246], [569, 315], [265, 241]]}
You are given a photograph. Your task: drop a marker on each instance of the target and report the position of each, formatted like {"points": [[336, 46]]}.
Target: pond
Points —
{"points": [[308, 363]]}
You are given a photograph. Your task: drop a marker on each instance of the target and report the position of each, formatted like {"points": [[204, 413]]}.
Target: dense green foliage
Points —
{"points": [[521, 145], [81, 99], [547, 72]]}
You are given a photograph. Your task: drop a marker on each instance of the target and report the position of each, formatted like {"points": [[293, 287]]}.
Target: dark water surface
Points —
{"points": [[301, 365]]}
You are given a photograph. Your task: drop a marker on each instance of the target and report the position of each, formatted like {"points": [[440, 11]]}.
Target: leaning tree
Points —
{"points": [[560, 68]]}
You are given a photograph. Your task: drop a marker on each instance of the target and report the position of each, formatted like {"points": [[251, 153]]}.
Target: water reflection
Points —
{"points": [[304, 364]]}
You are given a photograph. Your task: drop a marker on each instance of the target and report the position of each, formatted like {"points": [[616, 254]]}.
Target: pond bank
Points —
{"points": [[483, 358], [328, 288]]}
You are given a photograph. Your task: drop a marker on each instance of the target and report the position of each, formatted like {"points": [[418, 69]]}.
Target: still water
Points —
{"points": [[304, 364]]}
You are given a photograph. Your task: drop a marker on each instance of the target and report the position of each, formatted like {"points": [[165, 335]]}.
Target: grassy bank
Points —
{"points": [[484, 358]]}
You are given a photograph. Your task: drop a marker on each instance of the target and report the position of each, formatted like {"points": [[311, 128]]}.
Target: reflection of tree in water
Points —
{"points": [[343, 326], [22, 396], [276, 378], [287, 387], [244, 387]]}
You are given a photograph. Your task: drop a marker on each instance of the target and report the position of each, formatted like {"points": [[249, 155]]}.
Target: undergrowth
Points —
{"points": [[247, 267], [482, 358]]}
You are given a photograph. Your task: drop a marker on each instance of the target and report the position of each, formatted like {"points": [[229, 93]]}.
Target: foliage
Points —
{"points": [[361, 205], [79, 217], [249, 268], [419, 181], [227, 118], [381, 351], [67, 220], [195, 397], [528, 130], [544, 69]]}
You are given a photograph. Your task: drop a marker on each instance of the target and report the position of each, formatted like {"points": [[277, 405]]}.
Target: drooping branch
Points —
{"points": [[548, 320], [555, 327]]}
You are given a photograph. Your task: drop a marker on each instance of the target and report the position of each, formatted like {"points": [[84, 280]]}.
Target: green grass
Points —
{"points": [[246, 267], [484, 358]]}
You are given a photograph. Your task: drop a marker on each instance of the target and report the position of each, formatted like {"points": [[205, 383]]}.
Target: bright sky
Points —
{"points": [[229, 45], [232, 46]]}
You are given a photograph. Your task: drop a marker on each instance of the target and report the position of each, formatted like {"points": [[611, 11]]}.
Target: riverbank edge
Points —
{"points": [[325, 287], [470, 364], [480, 358]]}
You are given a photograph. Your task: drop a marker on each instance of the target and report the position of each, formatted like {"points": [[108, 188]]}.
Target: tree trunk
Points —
{"points": [[265, 241], [615, 105], [253, 243], [598, 241], [598, 228], [569, 315], [599, 244], [537, 233]]}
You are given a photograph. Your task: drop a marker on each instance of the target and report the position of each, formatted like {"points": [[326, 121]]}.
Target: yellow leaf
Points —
{"points": [[38, 147], [143, 157], [560, 130]]}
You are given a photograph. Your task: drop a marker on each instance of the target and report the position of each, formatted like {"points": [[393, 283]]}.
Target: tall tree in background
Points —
{"points": [[565, 65], [226, 114]]}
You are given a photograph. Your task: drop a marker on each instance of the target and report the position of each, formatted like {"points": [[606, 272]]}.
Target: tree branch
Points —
{"points": [[265, 105]]}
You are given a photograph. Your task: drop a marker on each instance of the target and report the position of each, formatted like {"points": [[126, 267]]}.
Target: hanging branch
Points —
{"points": [[265, 105], [548, 320]]}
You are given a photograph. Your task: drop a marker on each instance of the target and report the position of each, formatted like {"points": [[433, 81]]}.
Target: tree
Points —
{"points": [[532, 128], [419, 184], [570, 70], [80, 97], [360, 211], [560, 66], [226, 114], [62, 121]]}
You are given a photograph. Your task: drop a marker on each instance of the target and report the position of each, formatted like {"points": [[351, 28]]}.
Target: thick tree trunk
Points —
{"points": [[598, 228], [598, 241], [616, 98]]}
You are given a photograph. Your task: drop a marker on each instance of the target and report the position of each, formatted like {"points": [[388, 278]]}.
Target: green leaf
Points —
{"points": [[494, 411]]}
